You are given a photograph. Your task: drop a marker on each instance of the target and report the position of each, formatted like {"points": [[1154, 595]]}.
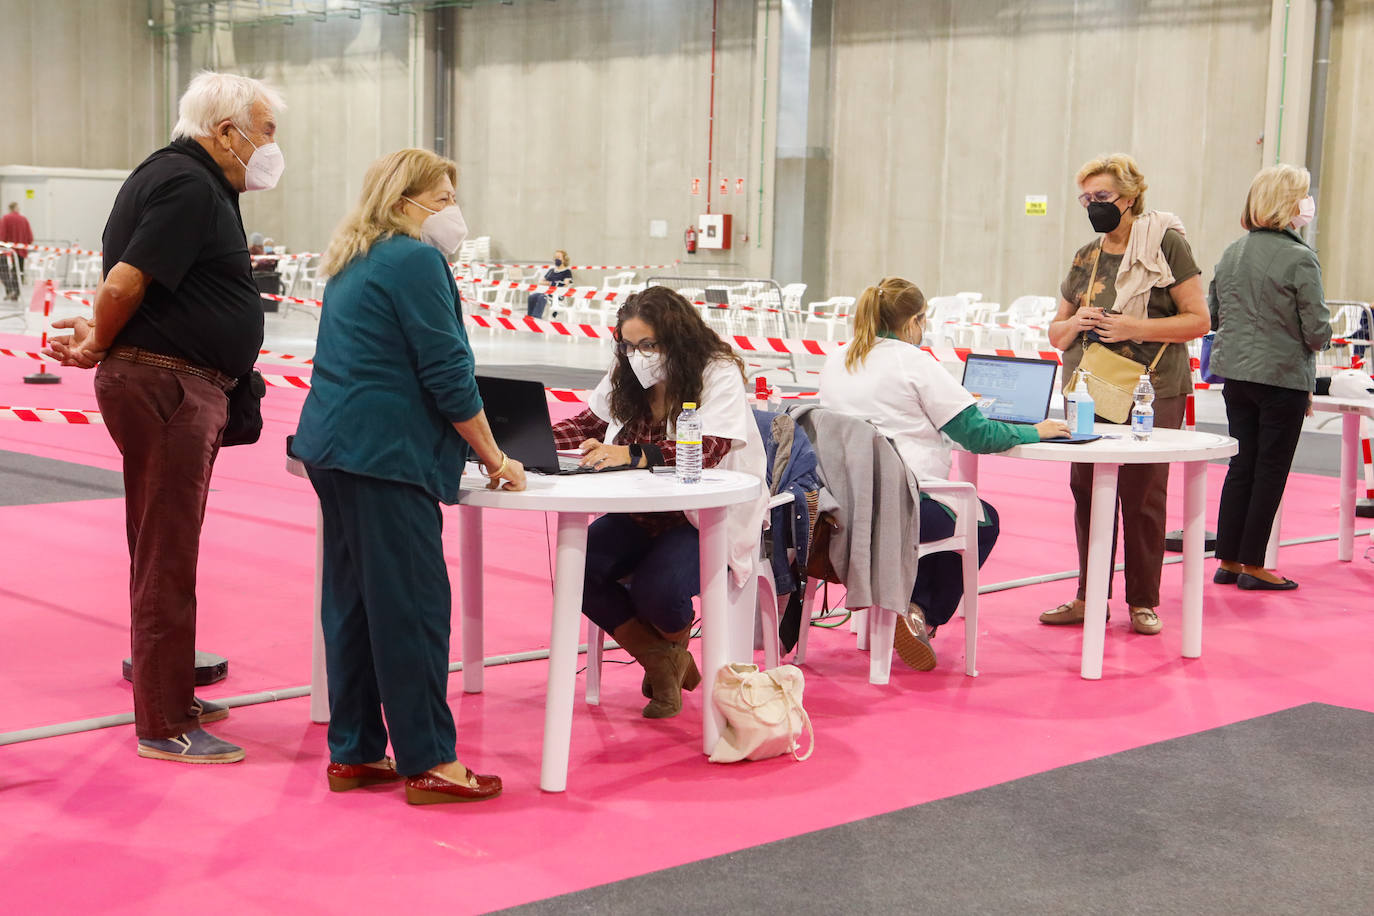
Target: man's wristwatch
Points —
{"points": [[636, 454]]}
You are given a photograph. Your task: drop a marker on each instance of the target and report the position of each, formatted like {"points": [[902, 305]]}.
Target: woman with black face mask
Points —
{"points": [[1137, 291]]}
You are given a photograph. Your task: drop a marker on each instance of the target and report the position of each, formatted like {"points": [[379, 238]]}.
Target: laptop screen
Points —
{"points": [[1021, 387]]}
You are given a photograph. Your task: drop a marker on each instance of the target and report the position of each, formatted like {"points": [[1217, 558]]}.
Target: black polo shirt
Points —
{"points": [[177, 219]]}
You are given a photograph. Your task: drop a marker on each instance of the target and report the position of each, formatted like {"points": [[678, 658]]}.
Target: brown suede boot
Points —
{"points": [[682, 639], [668, 667]]}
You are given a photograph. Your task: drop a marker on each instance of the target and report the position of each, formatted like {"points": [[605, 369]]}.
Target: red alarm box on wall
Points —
{"points": [[713, 230]]}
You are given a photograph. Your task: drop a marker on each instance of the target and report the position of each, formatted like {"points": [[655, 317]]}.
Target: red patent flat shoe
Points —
{"points": [[345, 776], [432, 789]]}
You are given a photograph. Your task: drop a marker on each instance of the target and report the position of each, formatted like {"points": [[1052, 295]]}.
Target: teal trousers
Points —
{"points": [[386, 607]]}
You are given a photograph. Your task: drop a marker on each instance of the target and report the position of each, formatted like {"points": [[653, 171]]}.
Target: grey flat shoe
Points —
{"points": [[196, 746], [207, 712]]}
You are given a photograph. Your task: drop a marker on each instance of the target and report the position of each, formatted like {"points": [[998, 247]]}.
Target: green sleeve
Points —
{"points": [[982, 436]]}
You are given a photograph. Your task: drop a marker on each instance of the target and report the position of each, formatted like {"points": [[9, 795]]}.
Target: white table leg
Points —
{"points": [[569, 568], [1194, 540], [1271, 550], [319, 676], [470, 596], [715, 608], [1350, 446], [1100, 532]]}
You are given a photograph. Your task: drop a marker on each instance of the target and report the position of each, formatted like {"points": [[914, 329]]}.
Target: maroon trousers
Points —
{"points": [[1142, 496], [167, 426]]}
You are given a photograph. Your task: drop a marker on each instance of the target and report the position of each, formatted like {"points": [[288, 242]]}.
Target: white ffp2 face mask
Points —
{"points": [[649, 368], [263, 169], [445, 229]]}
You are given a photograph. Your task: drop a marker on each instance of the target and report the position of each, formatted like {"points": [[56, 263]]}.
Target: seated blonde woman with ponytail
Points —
{"points": [[884, 377]]}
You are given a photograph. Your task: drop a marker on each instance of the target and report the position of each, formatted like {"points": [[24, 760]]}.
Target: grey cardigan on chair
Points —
{"points": [[873, 551]]}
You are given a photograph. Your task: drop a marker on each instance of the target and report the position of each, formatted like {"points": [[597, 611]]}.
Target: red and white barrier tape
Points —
{"points": [[51, 415], [48, 249], [500, 265]]}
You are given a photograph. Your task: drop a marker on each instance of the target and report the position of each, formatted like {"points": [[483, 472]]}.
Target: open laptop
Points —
{"points": [[1021, 389], [518, 412]]}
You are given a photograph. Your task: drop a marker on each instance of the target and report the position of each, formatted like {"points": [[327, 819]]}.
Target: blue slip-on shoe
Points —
{"points": [[196, 746], [207, 712]]}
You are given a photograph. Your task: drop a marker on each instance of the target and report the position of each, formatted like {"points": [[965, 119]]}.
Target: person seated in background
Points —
{"points": [[884, 377], [560, 274], [666, 356]]}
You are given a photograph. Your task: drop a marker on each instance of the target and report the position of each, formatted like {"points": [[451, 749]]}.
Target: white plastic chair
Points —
{"points": [[876, 631], [1024, 323], [946, 315], [828, 315], [763, 596]]}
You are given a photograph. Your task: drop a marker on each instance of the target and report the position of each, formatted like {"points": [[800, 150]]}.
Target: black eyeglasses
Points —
{"points": [[647, 347]]}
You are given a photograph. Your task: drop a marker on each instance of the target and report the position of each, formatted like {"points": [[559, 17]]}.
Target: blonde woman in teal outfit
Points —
{"points": [[391, 418]]}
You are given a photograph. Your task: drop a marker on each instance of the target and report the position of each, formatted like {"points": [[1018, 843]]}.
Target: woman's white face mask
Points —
{"points": [[649, 368], [445, 229]]}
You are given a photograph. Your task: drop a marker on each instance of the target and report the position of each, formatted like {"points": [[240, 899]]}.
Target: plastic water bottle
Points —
{"points": [[1143, 413], [1079, 407], [688, 444]]}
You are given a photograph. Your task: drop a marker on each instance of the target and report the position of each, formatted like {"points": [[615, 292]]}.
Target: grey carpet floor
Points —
{"points": [[26, 480], [1269, 815]]}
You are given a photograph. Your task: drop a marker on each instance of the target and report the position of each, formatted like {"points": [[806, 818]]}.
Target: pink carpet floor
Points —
{"points": [[89, 826]]}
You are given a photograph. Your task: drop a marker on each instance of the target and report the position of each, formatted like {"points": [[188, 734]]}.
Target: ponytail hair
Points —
{"points": [[889, 306]]}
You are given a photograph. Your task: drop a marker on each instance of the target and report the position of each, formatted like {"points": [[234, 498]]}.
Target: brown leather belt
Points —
{"points": [[161, 361]]}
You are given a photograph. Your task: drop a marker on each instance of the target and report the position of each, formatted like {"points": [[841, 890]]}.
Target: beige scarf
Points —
{"points": [[1143, 266]]}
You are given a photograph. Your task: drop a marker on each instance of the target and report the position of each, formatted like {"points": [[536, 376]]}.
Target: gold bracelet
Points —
{"points": [[505, 463]]}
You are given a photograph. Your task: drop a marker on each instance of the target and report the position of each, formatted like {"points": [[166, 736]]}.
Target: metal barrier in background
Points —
{"points": [[749, 306]]}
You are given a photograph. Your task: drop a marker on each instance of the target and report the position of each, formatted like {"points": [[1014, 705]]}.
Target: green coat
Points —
{"points": [[1269, 311], [393, 372]]}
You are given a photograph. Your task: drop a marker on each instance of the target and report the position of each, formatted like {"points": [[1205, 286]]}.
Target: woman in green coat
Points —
{"points": [[391, 418]]}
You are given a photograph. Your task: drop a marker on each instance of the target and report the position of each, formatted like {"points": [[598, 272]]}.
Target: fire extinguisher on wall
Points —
{"points": [[690, 238]]}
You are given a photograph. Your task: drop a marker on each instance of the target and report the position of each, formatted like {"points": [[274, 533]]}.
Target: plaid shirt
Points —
{"points": [[572, 432]]}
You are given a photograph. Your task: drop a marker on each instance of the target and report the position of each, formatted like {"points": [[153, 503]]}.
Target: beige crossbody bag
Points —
{"points": [[1111, 377]]}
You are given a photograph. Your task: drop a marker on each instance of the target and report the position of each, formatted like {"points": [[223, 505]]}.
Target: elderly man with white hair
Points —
{"points": [[177, 326]]}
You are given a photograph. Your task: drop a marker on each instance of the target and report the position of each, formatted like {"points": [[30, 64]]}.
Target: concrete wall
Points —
{"points": [[1343, 241], [80, 89], [947, 114], [578, 122], [348, 85]]}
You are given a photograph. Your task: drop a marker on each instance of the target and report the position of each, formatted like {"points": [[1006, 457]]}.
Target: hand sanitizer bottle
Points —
{"points": [[1079, 407]]}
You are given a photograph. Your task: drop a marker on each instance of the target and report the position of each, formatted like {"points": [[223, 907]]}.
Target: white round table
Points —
{"points": [[1350, 409], [1166, 446], [576, 498]]}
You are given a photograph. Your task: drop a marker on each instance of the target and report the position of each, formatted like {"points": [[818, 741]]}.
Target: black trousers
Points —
{"points": [[386, 607], [940, 576], [1266, 421]]}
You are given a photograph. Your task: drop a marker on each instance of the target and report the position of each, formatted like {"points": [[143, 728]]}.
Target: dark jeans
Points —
{"points": [[1142, 497], [665, 569], [535, 304], [940, 576], [386, 607], [167, 425], [1266, 422]]}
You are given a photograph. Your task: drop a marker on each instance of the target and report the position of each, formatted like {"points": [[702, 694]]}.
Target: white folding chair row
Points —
{"points": [[945, 315], [1024, 324]]}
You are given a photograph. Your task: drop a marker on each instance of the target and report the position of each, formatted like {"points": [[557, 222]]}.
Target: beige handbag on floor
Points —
{"points": [[1111, 377], [763, 713]]}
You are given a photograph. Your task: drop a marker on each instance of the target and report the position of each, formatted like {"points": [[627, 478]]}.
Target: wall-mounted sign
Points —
{"points": [[739, 185], [1037, 204], [696, 187]]}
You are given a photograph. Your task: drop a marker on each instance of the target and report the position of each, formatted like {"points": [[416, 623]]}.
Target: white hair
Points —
{"points": [[214, 97]]}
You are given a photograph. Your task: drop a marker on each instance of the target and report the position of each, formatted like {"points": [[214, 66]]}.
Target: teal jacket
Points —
{"points": [[1269, 311], [393, 372]]}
